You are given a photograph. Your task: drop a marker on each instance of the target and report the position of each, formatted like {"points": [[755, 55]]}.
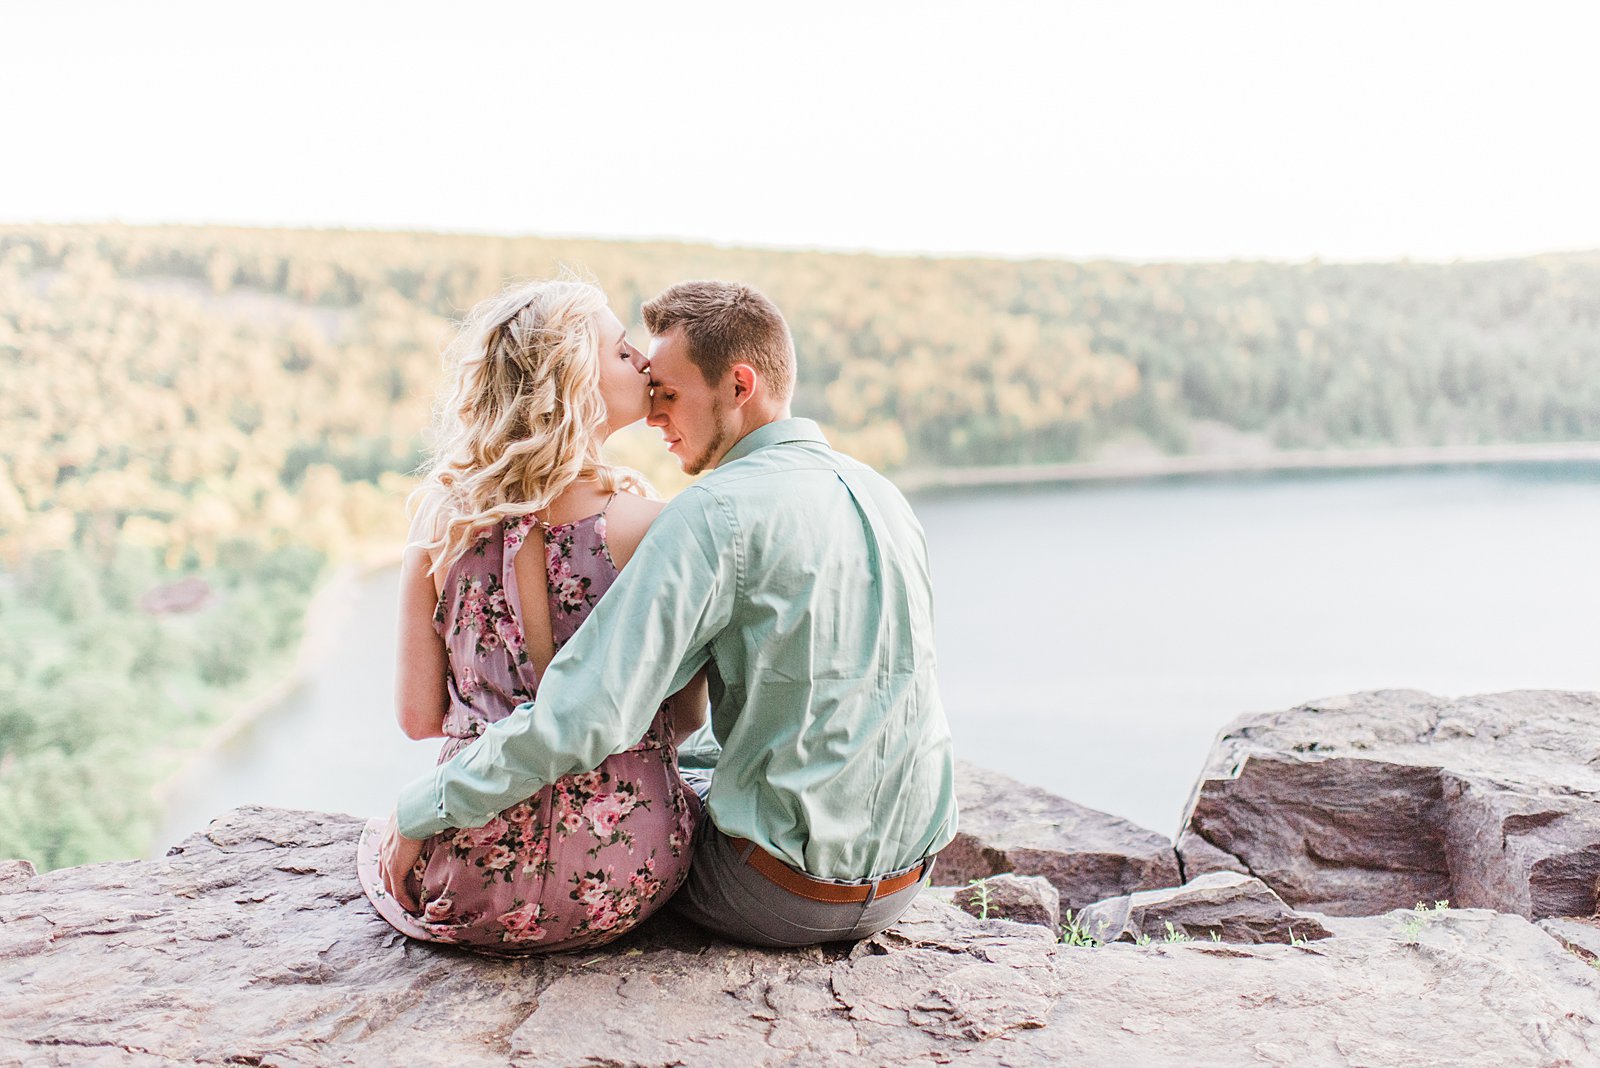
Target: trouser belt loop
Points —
{"points": [[872, 893], [744, 854]]}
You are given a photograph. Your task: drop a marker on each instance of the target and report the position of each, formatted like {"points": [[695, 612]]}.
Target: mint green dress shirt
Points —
{"points": [[799, 578]]}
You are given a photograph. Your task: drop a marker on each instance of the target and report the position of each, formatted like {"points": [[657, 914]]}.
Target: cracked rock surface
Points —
{"points": [[1360, 804], [252, 944]]}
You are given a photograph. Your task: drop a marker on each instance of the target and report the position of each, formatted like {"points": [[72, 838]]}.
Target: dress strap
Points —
{"points": [[522, 527], [609, 499]]}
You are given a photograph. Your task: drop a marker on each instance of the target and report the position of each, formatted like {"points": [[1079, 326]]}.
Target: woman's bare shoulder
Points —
{"points": [[634, 508], [627, 519]]}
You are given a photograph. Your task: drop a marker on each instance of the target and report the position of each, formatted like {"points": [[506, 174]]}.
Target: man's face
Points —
{"points": [[693, 416]]}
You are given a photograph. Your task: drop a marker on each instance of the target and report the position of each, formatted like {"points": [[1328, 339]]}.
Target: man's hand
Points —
{"points": [[396, 856]]}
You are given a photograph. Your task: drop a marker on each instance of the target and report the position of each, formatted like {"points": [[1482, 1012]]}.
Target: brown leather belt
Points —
{"points": [[798, 882]]}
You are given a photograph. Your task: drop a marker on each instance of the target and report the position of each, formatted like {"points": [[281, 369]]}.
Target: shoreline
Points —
{"points": [[322, 614], [1200, 465]]}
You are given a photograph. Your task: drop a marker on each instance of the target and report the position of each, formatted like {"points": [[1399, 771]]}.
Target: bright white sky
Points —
{"points": [[1139, 130]]}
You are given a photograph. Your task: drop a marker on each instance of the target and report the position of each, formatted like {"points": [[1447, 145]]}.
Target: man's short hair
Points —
{"points": [[727, 323]]}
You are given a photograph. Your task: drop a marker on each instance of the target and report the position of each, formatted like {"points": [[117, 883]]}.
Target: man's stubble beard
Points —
{"points": [[720, 431]]}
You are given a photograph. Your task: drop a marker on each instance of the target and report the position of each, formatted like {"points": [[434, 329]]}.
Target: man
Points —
{"points": [[798, 578]]}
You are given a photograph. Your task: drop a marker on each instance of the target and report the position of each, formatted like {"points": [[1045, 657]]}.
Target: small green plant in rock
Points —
{"points": [[1074, 933], [1174, 936], [1421, 915], [980, 893]]}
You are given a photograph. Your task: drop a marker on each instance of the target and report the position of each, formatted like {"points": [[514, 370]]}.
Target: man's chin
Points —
{"points": [[699, 465], [683, 461]]}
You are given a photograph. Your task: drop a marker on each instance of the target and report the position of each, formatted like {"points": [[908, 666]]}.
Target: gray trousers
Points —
{"points": [[726, 895]]}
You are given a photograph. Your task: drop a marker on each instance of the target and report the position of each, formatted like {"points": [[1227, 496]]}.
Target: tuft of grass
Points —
{"points": [[980, 890], [1420, 916], [1074, 933]]}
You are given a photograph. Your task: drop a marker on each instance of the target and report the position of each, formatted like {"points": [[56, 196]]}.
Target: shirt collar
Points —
{"points": [[778, 432]]}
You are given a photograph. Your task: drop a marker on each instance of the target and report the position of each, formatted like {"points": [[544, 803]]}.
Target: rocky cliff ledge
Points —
{"points": [[252, 943]]}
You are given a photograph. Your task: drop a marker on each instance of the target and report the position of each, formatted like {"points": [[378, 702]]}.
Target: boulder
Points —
{"points": [[1018, 898], [1229, 906], [1088, 855], [1357, 805], [252, 944]]}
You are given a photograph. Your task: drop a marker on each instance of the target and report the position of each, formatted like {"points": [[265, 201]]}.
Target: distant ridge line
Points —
{"points": [[1374, 459]]}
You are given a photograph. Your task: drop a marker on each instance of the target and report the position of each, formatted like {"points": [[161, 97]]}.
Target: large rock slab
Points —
{"points": [[1224, 905], [1007, 826], [254, 945], [1357, 805]]}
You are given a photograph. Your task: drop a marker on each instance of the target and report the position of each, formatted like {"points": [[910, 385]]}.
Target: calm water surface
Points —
{"points": [[1094, 639]]}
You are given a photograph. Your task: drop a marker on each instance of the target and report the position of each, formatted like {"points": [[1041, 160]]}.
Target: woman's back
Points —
{"points": [[480, 614], [586, 858]]}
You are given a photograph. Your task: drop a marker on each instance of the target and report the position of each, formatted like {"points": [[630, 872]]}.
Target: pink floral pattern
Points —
{"points": [[590, 856], [571, 589], [484, 613]]}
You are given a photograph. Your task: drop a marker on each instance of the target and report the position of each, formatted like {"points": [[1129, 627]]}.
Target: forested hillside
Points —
{"points": [[238, 407]]}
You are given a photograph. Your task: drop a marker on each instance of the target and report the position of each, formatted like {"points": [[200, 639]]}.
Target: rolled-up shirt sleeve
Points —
{"points": [[645, 639]]}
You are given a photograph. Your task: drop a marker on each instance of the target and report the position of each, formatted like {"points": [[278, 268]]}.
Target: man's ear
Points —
{"points": [[744, 382]]}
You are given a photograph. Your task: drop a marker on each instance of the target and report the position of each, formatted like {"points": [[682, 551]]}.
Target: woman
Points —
{"points": [[543, 374]]}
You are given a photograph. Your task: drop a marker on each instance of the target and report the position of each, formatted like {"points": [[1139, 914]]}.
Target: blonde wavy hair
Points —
{"points": [[523, 419]]}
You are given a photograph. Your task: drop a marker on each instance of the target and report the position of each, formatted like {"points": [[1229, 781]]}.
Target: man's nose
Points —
{"points": [[657, 417]]}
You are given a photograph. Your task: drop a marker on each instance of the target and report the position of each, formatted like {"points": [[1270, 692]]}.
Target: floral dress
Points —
{"points": [[585, 859]]}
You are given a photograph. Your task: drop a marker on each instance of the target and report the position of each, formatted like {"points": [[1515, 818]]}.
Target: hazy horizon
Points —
{"points": [[754, 246], [1144, 132]]}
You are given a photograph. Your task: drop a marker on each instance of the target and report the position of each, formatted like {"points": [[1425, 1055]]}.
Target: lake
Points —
{"points": [[1093, 639]]}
